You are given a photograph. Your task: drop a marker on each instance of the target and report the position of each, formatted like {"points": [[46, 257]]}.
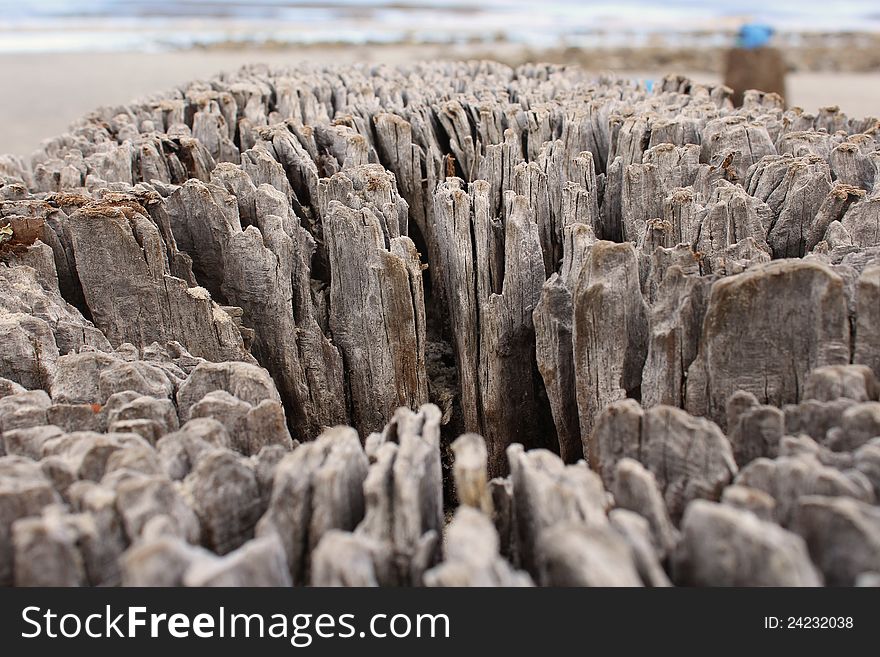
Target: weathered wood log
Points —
{"points": [[346, 559], [547, 493], [403, 493], [47, 551], [162, 561], [34, 289], [734, 143], [862, 222], [754, 429], [756, 551], [610, 331], [316, 488], [835, 381], [833, 209], [750, 499], [851, 162], [553, 329], [583, 555], [141, 499], [788, 479], [259, 562], [803, 444], [795, 189], [727, 222], [308, 368], [843, 536], [469, 471], [246, 382], [689, 456], [635, 489], [742, 321], [664, 168], [197, 284], [226, 498], [472, 557], [383, 347], [109, 240], [681, 220], [675, 324], [806, 142], [575, 175], [497, 270], [553, 318], [24, 491], [635, 531], [867, 351]]}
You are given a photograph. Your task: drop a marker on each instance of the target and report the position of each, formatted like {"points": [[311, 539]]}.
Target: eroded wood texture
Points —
{"points": [[447, 324]]}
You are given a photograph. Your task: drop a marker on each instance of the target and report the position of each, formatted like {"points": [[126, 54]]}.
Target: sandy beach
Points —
{"points": [[46, 92]]}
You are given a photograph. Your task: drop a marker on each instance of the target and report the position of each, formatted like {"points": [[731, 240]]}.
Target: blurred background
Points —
{"points": [[61, 58]]}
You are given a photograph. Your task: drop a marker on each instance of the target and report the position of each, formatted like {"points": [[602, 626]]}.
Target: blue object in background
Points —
{"points": [[754, 35]]}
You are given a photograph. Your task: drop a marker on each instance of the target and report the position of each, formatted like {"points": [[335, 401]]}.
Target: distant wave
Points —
{"points": [[119, 25]]}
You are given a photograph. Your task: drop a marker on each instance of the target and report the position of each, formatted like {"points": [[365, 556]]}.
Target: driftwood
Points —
{"points": [[755, 551], [451, 324]]}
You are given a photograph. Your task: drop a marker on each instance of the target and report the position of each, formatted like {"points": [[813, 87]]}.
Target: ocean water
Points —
{"points": [[149, 25]]}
